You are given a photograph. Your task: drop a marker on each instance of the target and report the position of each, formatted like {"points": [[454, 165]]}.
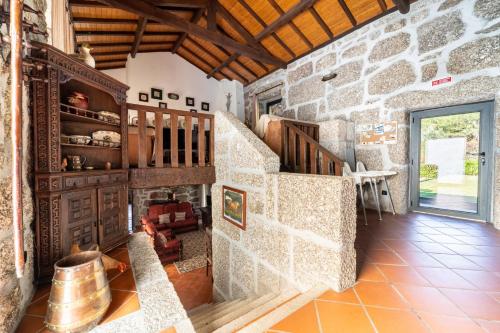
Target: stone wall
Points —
{"points": [[385, 70], [15, 293], [142, 198], [294, 237]]}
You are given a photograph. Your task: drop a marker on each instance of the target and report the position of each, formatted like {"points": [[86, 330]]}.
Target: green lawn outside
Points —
{"points": [[431, 187]]}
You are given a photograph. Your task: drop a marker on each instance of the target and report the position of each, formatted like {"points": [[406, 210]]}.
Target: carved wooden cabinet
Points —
{"points": [[87, 206]]}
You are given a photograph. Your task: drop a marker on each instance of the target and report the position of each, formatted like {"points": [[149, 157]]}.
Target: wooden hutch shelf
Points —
{"points": [[81, 207]]}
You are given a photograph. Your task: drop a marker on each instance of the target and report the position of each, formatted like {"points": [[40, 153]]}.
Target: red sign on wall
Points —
{"points": [[441, 81]]}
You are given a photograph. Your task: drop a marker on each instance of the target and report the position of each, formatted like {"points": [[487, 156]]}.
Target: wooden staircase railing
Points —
{"points": [[302, 152]]}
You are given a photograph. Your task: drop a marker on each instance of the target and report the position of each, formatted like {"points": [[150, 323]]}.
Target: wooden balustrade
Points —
{"points": [[302, 152], [177, 157]]}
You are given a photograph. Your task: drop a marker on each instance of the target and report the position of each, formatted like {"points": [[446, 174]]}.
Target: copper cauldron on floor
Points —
{"points": [[80, 293]]}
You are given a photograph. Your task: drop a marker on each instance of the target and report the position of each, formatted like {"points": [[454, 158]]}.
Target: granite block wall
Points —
{"points": [[300, 228], [385, 70], [142, 198], [15, 293]]}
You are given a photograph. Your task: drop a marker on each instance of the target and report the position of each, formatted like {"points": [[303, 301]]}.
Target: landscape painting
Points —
{"points": [[234, 206]]}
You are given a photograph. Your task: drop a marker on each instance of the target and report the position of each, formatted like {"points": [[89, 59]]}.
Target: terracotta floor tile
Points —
{"points": [[124, 281], [347, 296], [379, 293], [121, 255], [41, 290], [491, 264], [303, 320], [339, 317], [370, 272], [395, 321], [486, 281], [30, 324], [403, 274], [401, 245], [431, 247], [475, 240], [475, 303], [456, 261], [38, 308], [464, 249], [490, 326], [118, 298], [419, 259], [384, 257], [169, 330], [444, 277], [444, 239], [428, 299], [440, 323], [129, 306], [413, 236]]}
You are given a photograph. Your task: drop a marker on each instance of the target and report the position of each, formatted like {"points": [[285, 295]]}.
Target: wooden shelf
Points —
{"points": [[88, 146], [68, 116]]}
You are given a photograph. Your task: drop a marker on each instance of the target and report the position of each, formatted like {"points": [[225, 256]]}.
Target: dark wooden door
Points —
{"points": [[112, 202], [79, 219]]}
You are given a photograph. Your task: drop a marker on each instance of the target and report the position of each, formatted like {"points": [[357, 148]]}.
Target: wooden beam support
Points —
{"points": [[321, 22], [97, 54], [180, 3], [348, 12], [111, 67], [294, 27], [121, 44], [80, 33], [194, 55], [382, 5], [264, 25], [149, 11], [141, 27], [211, 15], [196, 17], [92, 20], [403, 5]]}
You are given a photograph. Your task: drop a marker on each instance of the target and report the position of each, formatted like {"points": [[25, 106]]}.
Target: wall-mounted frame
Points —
{"points": [[173, 96], [190, 101], [156, 93], [234, 206], [193, 110], [143, 97], [162, 105], [205, 106]]}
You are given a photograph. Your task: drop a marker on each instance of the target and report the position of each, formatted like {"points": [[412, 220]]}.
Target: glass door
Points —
{"points": [[451, 150]]}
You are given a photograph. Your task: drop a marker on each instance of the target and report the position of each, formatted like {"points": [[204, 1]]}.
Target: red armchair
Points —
{"points": [[167, 248], [190, 222]]}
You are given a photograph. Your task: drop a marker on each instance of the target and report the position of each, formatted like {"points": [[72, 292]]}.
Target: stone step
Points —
{"points": [[236, 311], [271, 318], [199, 309], [214, 309], [258, 312]]}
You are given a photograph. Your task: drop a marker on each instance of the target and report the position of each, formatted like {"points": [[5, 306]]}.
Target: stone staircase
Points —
{"points": [[252, 314]]}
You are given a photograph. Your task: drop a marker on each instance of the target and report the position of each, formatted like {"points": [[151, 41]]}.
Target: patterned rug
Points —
{"points": [[194, 251]]}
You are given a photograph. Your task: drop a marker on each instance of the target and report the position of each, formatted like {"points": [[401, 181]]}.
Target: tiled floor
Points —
{"points": [[416, 273], [123, 293], [194, 288]]}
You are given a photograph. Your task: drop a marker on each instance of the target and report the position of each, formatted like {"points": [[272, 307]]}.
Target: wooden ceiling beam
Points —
{"points": [[403, 5], [211, 15], [167, 48], [149, 11], [196, 17], [204, 49], [141, 27], [111, 67], [263, 24], [382, 5], [87, 33], [321, 22], [180, 3], [194, 55], [87, 3], [121, 44], [92, 20], [348, 13], [293, 25]]}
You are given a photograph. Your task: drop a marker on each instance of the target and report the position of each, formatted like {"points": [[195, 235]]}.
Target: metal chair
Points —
{"points": [[360, 167], [346, 171]]}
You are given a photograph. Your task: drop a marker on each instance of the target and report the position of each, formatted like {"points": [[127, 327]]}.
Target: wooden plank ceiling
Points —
{"points": [[234, 39]]}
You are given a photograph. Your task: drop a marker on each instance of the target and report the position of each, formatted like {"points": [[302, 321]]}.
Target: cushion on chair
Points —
{"points": [[180, 216], [164, 218]]}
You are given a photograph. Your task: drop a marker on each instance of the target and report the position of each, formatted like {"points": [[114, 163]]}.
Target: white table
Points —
{"points": [[374, 176]]}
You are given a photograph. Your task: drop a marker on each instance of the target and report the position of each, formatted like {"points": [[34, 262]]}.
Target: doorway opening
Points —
{"points": [[451, 160]]}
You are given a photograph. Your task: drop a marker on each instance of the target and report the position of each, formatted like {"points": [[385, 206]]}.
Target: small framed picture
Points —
{"points": [[193, 110], [234, 206], [173, 96], [156, 93], [189, 101], [143, 97], [205, 106], [162, 105]]}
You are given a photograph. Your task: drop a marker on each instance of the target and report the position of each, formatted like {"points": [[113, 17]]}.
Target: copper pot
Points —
{"points": [[80, 294], [79, 100]]}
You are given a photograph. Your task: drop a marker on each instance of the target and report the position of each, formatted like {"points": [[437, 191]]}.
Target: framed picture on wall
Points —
{"points": [[190, 101], [156, 93], [143, 97], [234, 206], [173, 96], [205, 106], [162, 105], [193, 110]]}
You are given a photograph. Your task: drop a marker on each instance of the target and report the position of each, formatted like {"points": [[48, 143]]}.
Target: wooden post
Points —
{"points": [[188, 139], [302, 156], [292, 136], [16, 100], [141, 123], [313, 160], [174, 141], [201, 141], [159, 139], [325, 165]]}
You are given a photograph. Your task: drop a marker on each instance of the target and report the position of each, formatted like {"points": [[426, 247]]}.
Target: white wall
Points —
{"points": [[173, 74]]}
